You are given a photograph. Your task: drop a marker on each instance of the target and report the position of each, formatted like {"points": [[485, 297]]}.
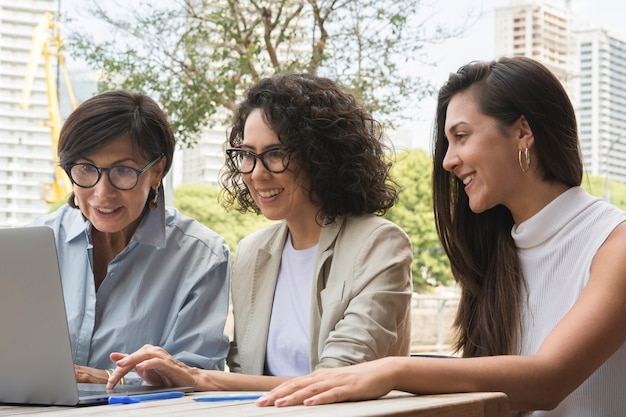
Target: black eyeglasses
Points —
{"points": [[275, 160], [121, 177]]}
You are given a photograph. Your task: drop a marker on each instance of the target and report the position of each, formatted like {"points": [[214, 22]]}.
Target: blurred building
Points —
{"points": [[539, 30], [600, 70], [591, 64], [202, 163], [26, 158]]}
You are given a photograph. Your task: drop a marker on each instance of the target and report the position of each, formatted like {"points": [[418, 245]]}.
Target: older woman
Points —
{"points": [[134, 272]]}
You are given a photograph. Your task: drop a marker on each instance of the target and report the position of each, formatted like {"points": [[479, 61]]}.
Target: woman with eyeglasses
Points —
{"points": [[329, 285], [134, 271]]}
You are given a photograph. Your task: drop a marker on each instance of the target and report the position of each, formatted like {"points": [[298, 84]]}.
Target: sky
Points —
{"points": [[477, 43]]}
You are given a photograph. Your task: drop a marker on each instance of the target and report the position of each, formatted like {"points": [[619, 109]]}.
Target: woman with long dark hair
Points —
{"points": [[540, 261]]}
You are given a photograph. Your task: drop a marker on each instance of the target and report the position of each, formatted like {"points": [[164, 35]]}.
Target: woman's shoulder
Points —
{"points": [[599, 216], [363, 231], [264, 235], [368, 223], [186, 227], [63, 217]]}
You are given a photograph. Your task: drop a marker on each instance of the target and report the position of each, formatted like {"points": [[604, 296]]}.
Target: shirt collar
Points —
{"points": [[151, 229], [77, 227]]}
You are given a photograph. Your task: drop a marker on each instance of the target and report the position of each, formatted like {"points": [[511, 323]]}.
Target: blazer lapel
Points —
{"points": [[325, 253], [264, 276]]}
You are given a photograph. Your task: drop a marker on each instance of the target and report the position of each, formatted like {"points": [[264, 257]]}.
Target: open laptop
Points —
{"points": [[36, 365]]}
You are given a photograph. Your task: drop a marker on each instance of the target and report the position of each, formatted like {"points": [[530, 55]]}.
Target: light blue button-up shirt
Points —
{"points": [[169, 287]]}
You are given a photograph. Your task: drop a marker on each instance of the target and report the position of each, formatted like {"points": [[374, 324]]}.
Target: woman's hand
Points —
{"points": [[364, 381], [154, 365], [90, 375]]}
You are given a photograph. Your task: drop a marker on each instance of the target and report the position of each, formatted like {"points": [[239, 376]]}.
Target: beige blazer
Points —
{"points": [[360, 306]]}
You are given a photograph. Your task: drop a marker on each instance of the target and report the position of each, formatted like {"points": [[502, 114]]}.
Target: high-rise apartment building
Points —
{"points": [[591, 63], [600, 70], [26, 158], [202, 163], [538, 30]]}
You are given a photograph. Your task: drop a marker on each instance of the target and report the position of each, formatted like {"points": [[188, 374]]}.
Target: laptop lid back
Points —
{"points": [[36, 364]]}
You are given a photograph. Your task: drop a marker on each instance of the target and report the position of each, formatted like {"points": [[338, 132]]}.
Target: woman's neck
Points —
{"points": [[305, 234]]}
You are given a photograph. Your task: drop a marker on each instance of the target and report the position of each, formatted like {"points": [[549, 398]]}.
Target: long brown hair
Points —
{"points": [[482, 253]]}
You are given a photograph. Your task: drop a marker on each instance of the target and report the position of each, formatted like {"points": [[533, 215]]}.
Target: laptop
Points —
{"points": [[36, 365]]}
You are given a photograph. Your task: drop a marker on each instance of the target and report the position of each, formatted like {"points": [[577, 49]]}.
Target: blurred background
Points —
{"points": [[196, 57]]}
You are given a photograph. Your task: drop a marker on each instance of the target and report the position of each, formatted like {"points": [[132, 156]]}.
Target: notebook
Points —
{"points": [[36, 365]]}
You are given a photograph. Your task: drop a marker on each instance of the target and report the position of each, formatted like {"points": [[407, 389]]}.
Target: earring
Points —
{"points": [[153, 203], [524, 166], [75, 200]]}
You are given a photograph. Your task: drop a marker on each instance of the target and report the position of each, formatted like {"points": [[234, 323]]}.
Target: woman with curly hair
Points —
{"points": [[330, 284]]}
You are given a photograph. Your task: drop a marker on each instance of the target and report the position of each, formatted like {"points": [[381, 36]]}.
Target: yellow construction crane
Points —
{"points": [[47, 42]]}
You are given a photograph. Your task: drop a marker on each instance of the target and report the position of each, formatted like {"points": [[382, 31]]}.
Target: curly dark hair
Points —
{"points": [[334, 141]]}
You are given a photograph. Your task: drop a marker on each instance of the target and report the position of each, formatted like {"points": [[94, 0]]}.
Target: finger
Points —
{"points": [[310, 394], [286, 389], [144, 353], [318, 394], [116, 356], [115, 376], [167, 372]]}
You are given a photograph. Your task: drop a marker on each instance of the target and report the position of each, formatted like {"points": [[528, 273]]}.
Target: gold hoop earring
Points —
{"points": [[524, 166], [153, 203]]}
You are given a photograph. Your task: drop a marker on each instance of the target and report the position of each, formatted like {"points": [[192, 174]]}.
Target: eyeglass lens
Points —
{"points": [[121, 177], [274, 160], [87, 175]]}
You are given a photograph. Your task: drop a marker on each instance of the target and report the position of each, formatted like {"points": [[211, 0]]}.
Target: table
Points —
{"points": [[396, 403]]}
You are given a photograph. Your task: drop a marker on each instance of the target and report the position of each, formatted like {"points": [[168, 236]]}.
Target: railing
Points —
{"points": [[443, 308]]}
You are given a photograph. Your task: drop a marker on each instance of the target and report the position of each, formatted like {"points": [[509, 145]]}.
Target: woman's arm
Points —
{"points": [[587, 336], [157, 367], [87, 374], [366, 304]]}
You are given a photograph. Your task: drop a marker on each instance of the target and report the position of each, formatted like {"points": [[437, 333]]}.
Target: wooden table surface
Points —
{"points": [[394, 404]]}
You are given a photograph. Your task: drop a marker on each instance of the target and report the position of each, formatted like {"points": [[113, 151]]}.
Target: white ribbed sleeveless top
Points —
{"points": [[556, 247]]}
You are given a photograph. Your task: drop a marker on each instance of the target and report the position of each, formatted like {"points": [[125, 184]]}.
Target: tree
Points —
{"points": [[196, 57], [201, 203], [414, 214], [596, 186]]}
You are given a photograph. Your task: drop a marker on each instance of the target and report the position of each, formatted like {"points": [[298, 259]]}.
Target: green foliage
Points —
{"points": [[597, 186], [56, 204], [200, 202], [197, 57], [414, 214]]}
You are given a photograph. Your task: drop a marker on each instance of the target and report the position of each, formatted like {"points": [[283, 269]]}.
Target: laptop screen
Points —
{"points": [[35, 351]]}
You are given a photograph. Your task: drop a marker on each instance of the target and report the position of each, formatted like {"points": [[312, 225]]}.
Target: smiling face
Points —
{"points": [[278, 196], [111, 210], [483, 154]]}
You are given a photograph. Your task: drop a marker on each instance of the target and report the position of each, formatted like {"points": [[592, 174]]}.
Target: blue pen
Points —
{"points": [[131, 399], [240, 396]]}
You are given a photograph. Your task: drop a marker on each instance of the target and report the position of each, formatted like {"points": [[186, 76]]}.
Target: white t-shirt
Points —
{"points": [[288, 338]]}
